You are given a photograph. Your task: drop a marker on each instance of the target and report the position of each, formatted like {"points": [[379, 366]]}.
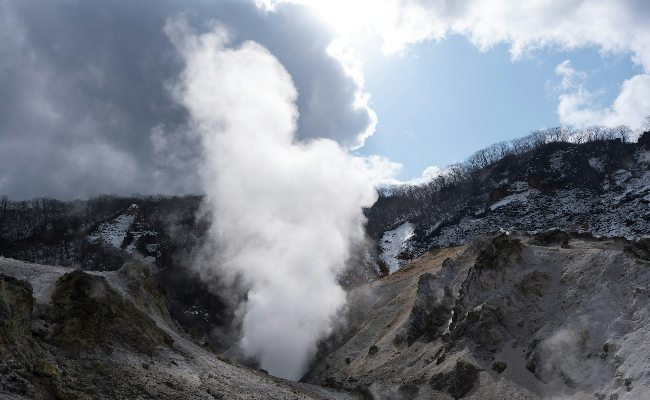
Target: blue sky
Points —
{"points": [[442, 100], [99, 119]]}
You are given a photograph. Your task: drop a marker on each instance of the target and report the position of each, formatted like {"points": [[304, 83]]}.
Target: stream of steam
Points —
{"points": [[286, 212]]}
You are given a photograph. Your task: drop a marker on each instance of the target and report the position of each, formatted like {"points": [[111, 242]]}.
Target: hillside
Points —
{"points": [[600, 187], [68, 334], [164, 233], [522, 274], [502, 317], [546, 316]]}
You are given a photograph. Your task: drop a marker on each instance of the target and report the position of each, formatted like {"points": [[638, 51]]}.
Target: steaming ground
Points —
{"points": [[286, 213], [546, 317]]}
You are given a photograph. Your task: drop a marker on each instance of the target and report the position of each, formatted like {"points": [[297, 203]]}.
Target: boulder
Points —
{"points": [[500, 252], [459, 381], [431, 310]]}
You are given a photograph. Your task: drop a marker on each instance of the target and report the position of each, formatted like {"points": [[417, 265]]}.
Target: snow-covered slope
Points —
{"points": [[602, 188], [114, 232], [392, 245], [128, 231]]}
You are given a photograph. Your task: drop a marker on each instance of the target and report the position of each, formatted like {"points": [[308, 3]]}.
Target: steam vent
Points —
{"points": [[324, 199]]}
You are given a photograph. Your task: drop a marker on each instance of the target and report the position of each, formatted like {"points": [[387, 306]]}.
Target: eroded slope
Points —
{"points": [[545, 317], [108, 335]]}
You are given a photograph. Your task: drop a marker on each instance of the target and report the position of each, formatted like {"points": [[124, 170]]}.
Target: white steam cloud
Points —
{"points": [[286, 212]]}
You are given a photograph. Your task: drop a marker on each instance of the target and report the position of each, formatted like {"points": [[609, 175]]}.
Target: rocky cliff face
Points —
{"points": [[16, 353], [506, 316], [69, 334], [105, 233]]}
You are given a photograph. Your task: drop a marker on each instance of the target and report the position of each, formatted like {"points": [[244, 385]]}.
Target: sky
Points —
{"points": [[87, 105], [454, 99]]}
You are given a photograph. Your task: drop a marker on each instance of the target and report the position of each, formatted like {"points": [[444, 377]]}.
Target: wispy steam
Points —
{"points": [[286, 212]]}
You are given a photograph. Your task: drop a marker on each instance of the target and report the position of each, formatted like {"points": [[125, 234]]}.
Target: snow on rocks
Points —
{"points": [[127, 224], [393, 243], [615, 207], [621, 176], [113, 232], [643, 156]]}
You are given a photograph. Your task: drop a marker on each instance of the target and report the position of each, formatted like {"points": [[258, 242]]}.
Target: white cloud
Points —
{"points": [[286, 212], [387, 180], [577, 105], [382, 170], [614, 26], [429, 173], [571, 78], [344, 54], [632, 104]]}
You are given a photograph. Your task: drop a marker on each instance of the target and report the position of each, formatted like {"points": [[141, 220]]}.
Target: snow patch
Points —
{"points": [[519, 186], [621, 176], [113, 232], [152, 247], [557, 161], [393, 243]]}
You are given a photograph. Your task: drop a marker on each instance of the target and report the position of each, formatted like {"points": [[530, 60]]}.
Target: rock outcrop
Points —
{"points": [[431, 311], [107, 335], [16, 345], [534, 317], [88, 313], [457, 382]]}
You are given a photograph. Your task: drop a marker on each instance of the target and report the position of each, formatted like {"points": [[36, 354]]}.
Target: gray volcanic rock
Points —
{"points": [[568, 319], [457, 382], [87, 313], [499, 252], [431, 309], [107, 335], [16, 304], [16, 354]]}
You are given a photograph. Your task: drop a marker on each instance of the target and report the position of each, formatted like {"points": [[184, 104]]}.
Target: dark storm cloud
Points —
{"points": [[84, 100]]}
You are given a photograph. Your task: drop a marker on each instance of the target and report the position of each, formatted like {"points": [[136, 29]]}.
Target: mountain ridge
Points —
{"points": [[600, 187]]}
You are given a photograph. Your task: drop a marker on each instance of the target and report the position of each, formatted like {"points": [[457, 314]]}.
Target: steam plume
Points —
{"points": [[286, 212]]}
